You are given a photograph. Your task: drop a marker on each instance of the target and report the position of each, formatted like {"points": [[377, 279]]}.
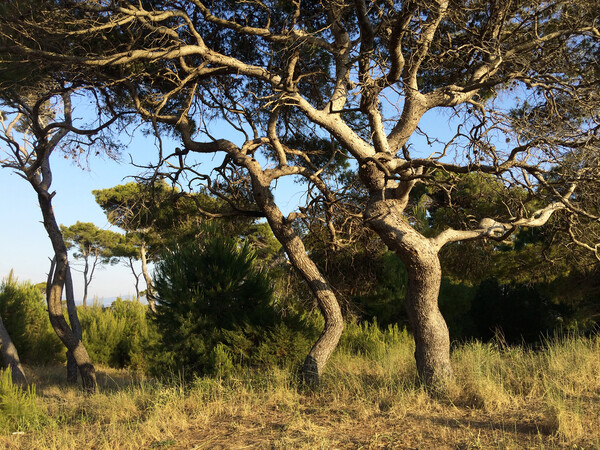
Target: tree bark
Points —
{"points": [[75, 326], [316, 360], [57, 278], [149, 293], [10, 356], [420, 256], [85, 281]]}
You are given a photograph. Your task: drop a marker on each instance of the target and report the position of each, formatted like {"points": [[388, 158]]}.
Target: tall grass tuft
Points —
{"points": [[571, 377], [18, 407]]}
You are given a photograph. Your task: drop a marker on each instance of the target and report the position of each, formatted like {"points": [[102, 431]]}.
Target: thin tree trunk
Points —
{"points": [[56, 282], [420, 256], [316, 360], [85, 282], [10, 356], [137, 279], [75, 326], [149, 290]]}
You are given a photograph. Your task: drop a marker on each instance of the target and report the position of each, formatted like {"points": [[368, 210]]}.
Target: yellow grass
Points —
{"points": [[502, 398]]}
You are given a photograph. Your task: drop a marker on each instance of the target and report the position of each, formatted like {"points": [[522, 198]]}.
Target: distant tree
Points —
{"points": [[153, 215], [157, 216], [128, 249], [93, 245]]}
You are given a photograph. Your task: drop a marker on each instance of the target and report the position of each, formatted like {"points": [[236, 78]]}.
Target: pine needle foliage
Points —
{"points": [[207, 294]]}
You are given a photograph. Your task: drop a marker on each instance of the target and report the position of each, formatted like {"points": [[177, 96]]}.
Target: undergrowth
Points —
{"points": [[502, 396]]}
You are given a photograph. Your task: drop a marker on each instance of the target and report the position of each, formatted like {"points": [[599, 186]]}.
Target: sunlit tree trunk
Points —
{"points": [[316, 360], [147, 277], [420, 257]]}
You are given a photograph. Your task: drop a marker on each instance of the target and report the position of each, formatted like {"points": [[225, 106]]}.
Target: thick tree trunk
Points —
{"points": [[56, 282], [149, 293], [420, 256], [316, 360], [10, 356]]}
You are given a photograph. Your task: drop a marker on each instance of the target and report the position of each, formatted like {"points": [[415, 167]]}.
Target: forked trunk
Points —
{"points": [[10, 356], [75, 349], [420, 256], [137, 279], [58, 276]]}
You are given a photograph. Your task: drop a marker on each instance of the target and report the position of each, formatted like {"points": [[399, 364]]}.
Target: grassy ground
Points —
{"points": [[502, 398]]}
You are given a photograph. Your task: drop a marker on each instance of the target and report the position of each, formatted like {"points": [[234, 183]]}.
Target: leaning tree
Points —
{"points": [[37, 120], [516, 82]]}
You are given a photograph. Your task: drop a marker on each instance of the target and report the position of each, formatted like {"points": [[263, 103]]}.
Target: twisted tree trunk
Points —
{"points": [[10, 356], [57, 278], [420, 257], [316, 360]]}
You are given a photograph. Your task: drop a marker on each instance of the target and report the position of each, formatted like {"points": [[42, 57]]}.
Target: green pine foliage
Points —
{"points": [[23, 311], [212, 294]]}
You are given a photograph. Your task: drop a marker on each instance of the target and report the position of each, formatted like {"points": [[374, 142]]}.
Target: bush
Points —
{"points": [[23, 311], [215, 307], [119, 335]]}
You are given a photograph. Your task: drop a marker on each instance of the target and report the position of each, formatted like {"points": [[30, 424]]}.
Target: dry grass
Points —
{"points": [[502, 398]]}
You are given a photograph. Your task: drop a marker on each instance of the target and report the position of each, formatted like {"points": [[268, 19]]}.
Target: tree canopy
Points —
{"points": [[516, 81], [93, 245]]}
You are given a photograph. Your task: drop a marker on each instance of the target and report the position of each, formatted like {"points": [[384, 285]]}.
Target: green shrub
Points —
{"points": [[23, 311], [119, 335], [211, 296]]}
